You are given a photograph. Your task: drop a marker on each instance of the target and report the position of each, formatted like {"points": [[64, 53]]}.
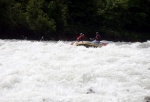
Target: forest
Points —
{"points": [[116, 20]]}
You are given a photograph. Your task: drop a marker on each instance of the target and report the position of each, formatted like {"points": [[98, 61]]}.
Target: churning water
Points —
{"points": [[32, 71]]}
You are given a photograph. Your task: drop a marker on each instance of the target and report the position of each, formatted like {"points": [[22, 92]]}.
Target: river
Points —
{"points": [[46, 71]]}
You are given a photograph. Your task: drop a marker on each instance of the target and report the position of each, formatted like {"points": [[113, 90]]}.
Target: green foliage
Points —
{"points": [[63, 19], [139, 14], [82, 16], [4, 12], [38, 20]]}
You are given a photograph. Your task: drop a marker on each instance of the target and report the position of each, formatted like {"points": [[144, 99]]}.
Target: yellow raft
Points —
{"points": [[90, 44]]}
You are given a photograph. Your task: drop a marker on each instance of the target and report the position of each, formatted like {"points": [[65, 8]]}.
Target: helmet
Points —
{"points": [[97, 32]]}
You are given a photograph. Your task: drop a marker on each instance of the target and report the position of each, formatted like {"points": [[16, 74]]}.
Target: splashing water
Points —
{"points": [[33, 71]]}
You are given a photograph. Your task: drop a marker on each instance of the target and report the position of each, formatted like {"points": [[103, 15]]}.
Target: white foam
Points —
{"points": [[32, 71]]}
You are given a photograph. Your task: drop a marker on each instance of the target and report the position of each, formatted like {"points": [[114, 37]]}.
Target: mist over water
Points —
{"points": [[32, 71]]}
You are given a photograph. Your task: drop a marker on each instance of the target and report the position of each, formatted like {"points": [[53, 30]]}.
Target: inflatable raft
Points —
{"points": [[91, 44]]}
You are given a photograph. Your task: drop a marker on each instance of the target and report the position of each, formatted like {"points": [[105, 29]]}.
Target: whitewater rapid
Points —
{"points": [[46, 71]]}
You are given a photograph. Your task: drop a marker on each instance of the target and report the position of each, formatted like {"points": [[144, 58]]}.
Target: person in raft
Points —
{"points": [[97, 38], [81, 37]]}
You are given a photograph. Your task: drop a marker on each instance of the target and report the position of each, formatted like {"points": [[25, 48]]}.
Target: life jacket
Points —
{"points": [[98, 38], [81, 37]]}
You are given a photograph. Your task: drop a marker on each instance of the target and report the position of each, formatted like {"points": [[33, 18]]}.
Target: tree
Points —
{"points": [[5, 20], [39, 22], [58, 11], [82, 15]]}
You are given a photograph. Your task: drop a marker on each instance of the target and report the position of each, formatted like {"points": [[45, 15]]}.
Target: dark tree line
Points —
{"points": [[127, 20]]}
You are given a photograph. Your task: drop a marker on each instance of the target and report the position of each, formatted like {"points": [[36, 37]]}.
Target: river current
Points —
{"points": [[46, 71]]}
